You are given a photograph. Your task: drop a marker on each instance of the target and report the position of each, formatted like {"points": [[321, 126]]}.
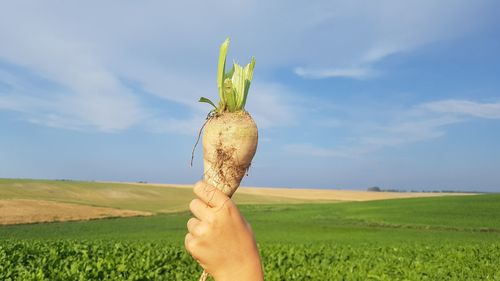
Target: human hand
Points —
{"points": [[220, 239]]}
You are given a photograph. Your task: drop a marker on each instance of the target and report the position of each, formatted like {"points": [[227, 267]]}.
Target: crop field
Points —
{"points": [[441, 238], [131, 196], [33, 201], [161, 198], [106, 260]]}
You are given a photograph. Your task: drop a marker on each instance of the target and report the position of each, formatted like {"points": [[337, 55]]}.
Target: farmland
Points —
{"points": [[105, 260], [18, 211], [163, 198], [130, 196], [440, 238]]}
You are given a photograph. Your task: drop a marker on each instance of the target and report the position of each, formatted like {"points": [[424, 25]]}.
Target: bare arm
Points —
{"points": [[220, 239]]}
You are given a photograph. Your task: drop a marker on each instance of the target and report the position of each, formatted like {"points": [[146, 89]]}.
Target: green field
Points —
{"points": [[459, 219], [443, 238]]}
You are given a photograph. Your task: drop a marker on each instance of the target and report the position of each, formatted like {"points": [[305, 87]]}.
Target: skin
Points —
{"points": [[219, 237]]}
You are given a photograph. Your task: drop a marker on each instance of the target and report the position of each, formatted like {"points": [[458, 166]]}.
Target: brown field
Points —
{"points": [[20, 211], [314, 194], [337, 195], [33, 201]]}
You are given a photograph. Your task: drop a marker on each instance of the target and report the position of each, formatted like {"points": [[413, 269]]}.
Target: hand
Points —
{"points": [[220, 239]]}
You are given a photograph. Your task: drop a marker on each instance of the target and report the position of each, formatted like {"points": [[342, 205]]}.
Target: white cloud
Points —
{"points": [[271, 105], [422, 122], [188, 126], [406, 131], [90, 60], [356, 35], [465, 108], [84, 92], [86, 107], [154, 45], [353, 72]]}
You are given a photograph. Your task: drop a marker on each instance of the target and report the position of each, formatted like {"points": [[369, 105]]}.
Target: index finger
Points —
{"points": [[210, 194]]}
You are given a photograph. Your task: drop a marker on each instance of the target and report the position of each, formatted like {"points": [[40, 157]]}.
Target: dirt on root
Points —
{"points": [[22, 211]]}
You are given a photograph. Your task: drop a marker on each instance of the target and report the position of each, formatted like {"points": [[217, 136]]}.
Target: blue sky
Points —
{"points": [[346, 94]]}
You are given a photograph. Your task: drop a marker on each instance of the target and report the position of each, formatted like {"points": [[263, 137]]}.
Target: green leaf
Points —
{"points": [[229, 74], [238, 81], [230, 95], [203, 99], [232, 85], [248, 80], [221, 68]]}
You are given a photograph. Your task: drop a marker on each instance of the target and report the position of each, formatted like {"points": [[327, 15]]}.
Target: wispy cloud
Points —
{"points": [[272, 105], [88, 59], [378, 30], [89, 64], [104, 109], [352, 72], [465, 108], [422, 122], [187, 126]]}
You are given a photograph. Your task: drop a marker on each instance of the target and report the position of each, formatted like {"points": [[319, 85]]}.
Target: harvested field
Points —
{"points": [[21, 211], [305, 195], [28, 201], [337, 195]]}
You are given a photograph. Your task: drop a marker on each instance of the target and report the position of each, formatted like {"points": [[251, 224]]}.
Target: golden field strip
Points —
{"points": [[337, 195], [17, 211], [31, 201], [314, 194]]}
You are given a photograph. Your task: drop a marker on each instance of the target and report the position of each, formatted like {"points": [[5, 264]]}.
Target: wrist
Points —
{"points": [[249, 271]]}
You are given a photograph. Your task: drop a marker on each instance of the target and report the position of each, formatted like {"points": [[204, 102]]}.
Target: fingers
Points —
{"points": [[188, 243], [191, 246], [209, 194], [196, 227], [200, 210], [192, 223]]}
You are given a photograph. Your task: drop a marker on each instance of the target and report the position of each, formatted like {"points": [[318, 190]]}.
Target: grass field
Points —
{"points": [[443, 238], [461, 219]]}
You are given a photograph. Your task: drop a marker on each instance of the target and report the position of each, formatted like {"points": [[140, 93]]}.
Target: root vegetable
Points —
{"points": [[230, 135], [229, 144]]}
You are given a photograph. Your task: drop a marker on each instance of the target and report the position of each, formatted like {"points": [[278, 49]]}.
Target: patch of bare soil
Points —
{"points": [[21, 211], [337, 195]]}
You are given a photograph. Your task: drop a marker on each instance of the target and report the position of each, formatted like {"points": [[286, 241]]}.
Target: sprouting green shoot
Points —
{"points": [[233, 85]]}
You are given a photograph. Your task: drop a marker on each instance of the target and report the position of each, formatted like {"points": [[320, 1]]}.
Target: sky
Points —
{"points": [[346, 94]]}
